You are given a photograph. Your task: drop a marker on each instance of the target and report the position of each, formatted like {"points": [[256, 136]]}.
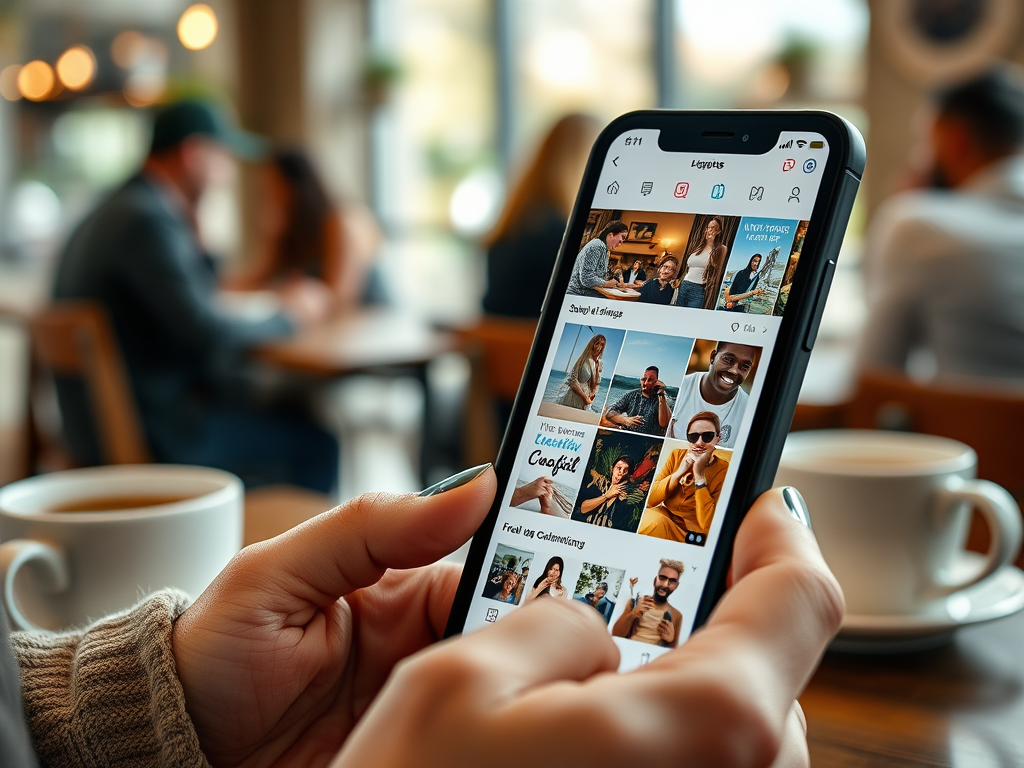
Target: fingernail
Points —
{"points": [[797, 505], [462, 478]]}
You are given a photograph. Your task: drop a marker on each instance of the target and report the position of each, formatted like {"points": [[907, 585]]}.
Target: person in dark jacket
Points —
{"points": [[138, 254]]}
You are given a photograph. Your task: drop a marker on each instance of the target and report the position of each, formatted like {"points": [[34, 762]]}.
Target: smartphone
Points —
{"points": [[737, 218]]}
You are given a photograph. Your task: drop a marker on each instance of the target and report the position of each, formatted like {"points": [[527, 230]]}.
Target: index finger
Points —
{"points": [[352, 545]]}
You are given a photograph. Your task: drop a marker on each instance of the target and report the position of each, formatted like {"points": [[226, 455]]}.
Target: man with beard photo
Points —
{"points": [[645, 409], [650, 618], [717, 391]]}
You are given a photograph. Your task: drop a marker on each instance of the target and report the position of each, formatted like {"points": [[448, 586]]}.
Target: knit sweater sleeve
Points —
{"points": [[109, 695]]}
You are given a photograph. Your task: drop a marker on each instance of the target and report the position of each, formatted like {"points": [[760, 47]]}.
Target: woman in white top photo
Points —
{"points": [[701, 267], [585, 377]]}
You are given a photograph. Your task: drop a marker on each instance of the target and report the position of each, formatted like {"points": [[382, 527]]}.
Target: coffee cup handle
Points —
{"points": [[50, 569], [1001, 514]]}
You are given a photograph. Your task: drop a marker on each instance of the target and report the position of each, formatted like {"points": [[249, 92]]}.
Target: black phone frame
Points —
{"points": [[730, 132]]}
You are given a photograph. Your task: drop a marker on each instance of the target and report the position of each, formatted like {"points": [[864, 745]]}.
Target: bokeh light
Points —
{"points": [[76, 67], [9, 82], [127, 47], [143, 89], [197, 27], [36, 80]]}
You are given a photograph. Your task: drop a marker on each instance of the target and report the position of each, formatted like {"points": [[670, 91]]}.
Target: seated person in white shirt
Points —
{"points": [[943, 264]]}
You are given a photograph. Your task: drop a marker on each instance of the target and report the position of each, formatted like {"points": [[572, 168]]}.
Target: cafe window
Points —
{"points": [[479, 82]]}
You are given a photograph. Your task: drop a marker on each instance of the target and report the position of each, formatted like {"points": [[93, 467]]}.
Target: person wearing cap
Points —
{"points": [[139, 255]]}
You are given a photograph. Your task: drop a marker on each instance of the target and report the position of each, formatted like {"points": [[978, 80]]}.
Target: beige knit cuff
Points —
{"points": [[109, 695]]}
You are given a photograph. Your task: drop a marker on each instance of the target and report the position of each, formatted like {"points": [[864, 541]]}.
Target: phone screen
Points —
{"points": [[643, 412]]}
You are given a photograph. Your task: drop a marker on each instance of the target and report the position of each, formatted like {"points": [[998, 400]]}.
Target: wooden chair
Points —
{"points": [[75, 339], [990, 420], [498, 349]]}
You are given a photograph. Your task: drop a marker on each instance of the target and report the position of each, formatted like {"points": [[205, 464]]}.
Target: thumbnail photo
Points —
{"points": [[552, 580], [703, 259], [688, 484], [757, 265], [644, 388], [618, 476], [552, 468], [622, 255], [598, 586], [651, 618], [506, 579], [578, 381], [794, 260], [718, 379]]}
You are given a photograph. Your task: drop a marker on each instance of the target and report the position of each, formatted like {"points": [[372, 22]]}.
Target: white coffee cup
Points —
{"points": [[61, 568], [891, 514]]}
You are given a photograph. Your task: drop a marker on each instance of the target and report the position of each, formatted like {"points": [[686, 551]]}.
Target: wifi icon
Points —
{"points": [[801, 143]]}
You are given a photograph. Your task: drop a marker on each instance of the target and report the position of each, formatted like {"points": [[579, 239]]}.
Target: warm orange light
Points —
{"points": [[127, 47], [9, 82], [36, 80], [197, 27], [76, 67]]}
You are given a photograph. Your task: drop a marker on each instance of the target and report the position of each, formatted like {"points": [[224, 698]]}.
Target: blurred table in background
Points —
{"points": [[379, 340], [365, 340], [960, 705]]}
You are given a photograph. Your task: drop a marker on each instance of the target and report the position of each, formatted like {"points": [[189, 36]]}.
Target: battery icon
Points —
{"points": [[817, 145]]}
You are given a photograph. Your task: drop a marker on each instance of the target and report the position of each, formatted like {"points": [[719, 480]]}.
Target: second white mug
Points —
{"points": [[891, 513]]}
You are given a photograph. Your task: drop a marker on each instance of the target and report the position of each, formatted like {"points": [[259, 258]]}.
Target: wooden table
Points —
{"points": [[364, 340], [378, 340], [959, 705], [609, 293]]}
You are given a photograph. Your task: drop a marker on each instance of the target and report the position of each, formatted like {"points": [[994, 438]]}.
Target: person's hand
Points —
{"points": [[643, 605], [667, 631], [276, 669], [615, 490], [631, 421], [306, 301], [538, 488], [659, 388], [700, 464], [537, 685]]}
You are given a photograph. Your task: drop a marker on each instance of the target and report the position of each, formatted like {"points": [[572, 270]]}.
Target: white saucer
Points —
{"points": [[1001, 594]]}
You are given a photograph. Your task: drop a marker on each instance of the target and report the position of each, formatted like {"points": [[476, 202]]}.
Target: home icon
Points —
{"points": [[613, 188]]}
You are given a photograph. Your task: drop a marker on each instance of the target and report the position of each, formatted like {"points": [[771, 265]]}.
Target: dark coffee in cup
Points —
{"points": [[113, 503]]}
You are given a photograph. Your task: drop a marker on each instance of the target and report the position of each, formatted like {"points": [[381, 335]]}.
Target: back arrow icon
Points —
{"points": [[615, 162]]}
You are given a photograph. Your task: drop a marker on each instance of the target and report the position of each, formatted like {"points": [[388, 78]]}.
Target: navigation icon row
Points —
{"points": [[682, 189]]}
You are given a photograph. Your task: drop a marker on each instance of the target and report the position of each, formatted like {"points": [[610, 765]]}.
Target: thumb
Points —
{"points": [[351, 546]]}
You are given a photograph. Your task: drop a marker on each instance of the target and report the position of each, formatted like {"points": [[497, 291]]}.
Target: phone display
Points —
{"points": [[678, 322]]}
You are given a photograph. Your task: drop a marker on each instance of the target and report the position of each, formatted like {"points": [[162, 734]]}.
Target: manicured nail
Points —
{"points": [[797, 505], [463, 477]]}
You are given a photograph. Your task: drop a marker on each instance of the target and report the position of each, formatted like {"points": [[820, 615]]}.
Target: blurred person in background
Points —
{"points": [[944, 263], [139, 255], [522, 247], [304, 235]]}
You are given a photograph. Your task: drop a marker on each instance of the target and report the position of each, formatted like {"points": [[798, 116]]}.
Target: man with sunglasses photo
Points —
{"points": [[682, 501]]}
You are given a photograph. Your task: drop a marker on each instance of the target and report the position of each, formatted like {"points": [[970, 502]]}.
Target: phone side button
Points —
{"points": [[819, 304]]}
